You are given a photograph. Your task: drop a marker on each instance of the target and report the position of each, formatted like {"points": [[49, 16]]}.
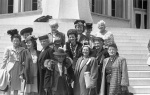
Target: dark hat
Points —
{"points": [[113, 45], [88, 25], [98, 39], [26, 30], [60, 51], [31, 37], [72, 31], [81, 22], [12, 32], [43, 37]]}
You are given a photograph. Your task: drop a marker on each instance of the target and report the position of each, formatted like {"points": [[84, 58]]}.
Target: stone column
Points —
{"points": [[131, 14], [22, 5], [148, 14], [103, 6], [16, 6], [109, 7]]}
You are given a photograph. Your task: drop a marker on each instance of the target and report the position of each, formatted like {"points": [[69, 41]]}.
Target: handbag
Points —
{"points": [[148, 61], [4, 80], [87, 76]]}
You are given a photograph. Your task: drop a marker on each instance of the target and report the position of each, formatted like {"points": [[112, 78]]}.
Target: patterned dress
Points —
{"points": [[118, 76]]}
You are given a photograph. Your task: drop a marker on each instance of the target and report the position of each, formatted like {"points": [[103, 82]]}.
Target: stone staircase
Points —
{"points": [[132, 44]]}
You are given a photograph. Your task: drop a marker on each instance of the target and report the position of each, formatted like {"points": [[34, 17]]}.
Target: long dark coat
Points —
{"points": [[47, 53], [26, 65], [52, 78], [79, 80], [70, 54]]}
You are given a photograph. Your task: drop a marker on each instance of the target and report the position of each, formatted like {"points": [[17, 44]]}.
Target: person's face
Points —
{"points": [[72, 38], [29, 44], [112, 51], [85, 51], [16, 42], [60, 58], [88, 31], [54, 28], [101, 27], [98, 44], [80, 29], [44, 43], [25, 35]]}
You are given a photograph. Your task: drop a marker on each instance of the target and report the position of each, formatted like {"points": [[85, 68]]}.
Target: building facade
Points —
{"points": [[137, 11], [15, 6]]}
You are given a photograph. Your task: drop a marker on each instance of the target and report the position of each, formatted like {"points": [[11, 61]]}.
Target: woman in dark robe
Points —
{"points": [[28, 61]]}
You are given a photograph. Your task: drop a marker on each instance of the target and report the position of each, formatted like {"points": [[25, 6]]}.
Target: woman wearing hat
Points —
{"points": [[100, 54], [25, 33], [87, 33], [86, 74], [11, 61], [73, 47], [115, 73], [29, 66], [57, 74], [80, 27]]}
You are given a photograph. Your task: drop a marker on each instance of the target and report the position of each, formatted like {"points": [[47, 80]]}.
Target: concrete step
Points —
{"points": [[134, 56], [132, 47], [140, 89], [136, 61], [138, 68], [142, 94], [133, 52], [139, 81], [139, 74]]}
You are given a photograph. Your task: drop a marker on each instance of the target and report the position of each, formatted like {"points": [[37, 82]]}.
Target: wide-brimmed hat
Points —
{"points": [[12, 32], [60, 51], [26, 30]]}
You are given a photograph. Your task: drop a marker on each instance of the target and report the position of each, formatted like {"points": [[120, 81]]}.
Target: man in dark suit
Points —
{"points": [[25, 33], [46, 53]]}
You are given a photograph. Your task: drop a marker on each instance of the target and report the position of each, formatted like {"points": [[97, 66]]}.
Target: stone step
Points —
{"points": [[140, 89], [139, 74], [133, 51], [138, 67], [139, 81], [134, 61], [134, 56], [141, 48], [142, 94]]}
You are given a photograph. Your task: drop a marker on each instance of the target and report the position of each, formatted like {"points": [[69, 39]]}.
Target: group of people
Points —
{"points": [[84, 65]]}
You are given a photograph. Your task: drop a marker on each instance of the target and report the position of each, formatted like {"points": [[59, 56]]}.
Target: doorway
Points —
{"points": [[141, 19]]}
